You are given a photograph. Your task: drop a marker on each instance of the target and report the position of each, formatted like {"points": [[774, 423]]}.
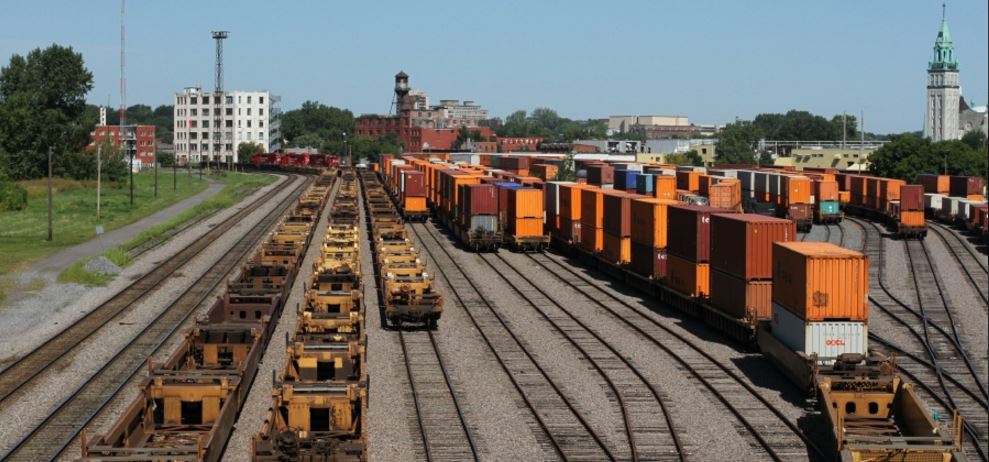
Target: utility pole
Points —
{"points": [[99, 158], [219, 144], [50, 193]]}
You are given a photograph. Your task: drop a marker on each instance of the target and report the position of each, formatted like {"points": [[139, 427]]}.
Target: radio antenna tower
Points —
{"points": [[218, 96], [123, 80]]}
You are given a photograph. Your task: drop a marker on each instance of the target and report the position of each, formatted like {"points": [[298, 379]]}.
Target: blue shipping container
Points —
{"points": [[829, 208], [625, 179]]}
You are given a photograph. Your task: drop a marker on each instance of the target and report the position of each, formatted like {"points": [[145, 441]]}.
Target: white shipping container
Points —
{"points": [[484, 223], [553, 196], [933, 201], [824, 338], [949, 207]]}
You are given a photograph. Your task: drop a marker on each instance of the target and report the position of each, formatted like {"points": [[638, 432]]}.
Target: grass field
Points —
{"points": [[23, 233]]}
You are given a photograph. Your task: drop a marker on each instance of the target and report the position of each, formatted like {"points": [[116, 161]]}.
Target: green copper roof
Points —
{"points": [[944, 50]]}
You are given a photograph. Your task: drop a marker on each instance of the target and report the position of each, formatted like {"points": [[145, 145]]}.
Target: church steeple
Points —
{"points": [[944, 49]]}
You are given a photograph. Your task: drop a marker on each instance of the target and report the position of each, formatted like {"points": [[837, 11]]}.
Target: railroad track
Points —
{"points": [[970, 263], [442, 424], [648, 424], [27, 368], [563, 428], [51, 437], [948, 365], [765, 427]]}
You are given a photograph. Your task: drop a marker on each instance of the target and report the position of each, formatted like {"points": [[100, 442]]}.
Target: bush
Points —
{"points": [[12, 195]]}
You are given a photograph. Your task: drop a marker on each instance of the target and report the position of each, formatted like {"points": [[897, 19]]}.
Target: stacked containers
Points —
{"points": [[545, 172], [479, 207], [413, 191], [688, 249], [552, 194], [570, 212], [725, 194], [825, 198], [600, 175], [794, 197], [911, 205], [592, 219], [742, 262], [819, 298], [525, 212], [688, 180], [649, 236], [617, 224], [503, 188]]}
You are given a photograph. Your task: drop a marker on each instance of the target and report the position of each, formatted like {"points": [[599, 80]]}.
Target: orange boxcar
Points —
{"points": [[820, 281]]}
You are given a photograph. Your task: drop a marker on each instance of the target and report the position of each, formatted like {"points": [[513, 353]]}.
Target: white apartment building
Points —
{"points": [[209, 128]]}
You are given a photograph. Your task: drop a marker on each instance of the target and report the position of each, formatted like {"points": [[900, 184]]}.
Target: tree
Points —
{"points": [[165, 159], [567, 170], [803, 126], [843, 125], [465, 134], [975, 139], [42, 104], [736, 145], [907, 155], [693, 158], [315, 124], [246, 150]]}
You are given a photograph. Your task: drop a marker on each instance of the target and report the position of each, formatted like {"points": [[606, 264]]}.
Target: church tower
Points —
{"points": [[943, 91]]}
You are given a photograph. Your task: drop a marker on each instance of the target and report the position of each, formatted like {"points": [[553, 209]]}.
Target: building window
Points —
{"points": [[260, 99], [238, 99], [260, 111], [230, 100], [248, 109], [230, 111], [205, 135], [205, 111], [195, 112], [260, 136], [260, 124], [248, 123], [248, 99], [192, 124], [238, 124], [206, 100], [230, 124], [205, 124], [193, 99]]}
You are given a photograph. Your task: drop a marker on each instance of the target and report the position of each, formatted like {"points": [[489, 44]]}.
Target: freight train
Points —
{"points": [[802, 304], [892, 201], [188, 404], [407, 290], [294, 161], [956, 200], [319, 400]]}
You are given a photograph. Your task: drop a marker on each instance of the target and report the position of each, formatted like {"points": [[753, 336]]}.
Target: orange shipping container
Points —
{"points": [[415, 204], [820, 281], [617, 249], [569, 197], [591, 238], [795, 190], [913, 218], [726, 195], [525, 227], [665, 187], [741, 299], [687, 277], [844, 197], [592, 207], [649, 221], [688, 180], [825, 190], [525, 203]]}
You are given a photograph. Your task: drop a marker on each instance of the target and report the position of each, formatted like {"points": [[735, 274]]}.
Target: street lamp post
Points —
{"points": [[346, 150], [49, 193]]}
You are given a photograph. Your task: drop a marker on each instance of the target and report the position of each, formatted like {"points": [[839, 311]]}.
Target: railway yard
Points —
{"points": [[335, 316]]}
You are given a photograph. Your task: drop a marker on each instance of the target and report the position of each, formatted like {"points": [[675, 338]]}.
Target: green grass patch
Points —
{"points": [[77, 273], [119, 257], [23, 233], [238, 186]]}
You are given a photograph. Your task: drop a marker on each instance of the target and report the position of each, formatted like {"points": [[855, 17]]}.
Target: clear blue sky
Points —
{"points": [[709, 60]]}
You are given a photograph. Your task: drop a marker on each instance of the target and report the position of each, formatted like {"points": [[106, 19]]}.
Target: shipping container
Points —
{"points": [[487, 223], [503, 188], [820, 281], [525, 203], [935, 184], [688, 231], [826, 339], [616, 249], [625, 179], [795, 190], [932, 202], [964, 186], [688, 180], [545, 172], [569, 196], [741, 299], [478, 199], [569, 230], [591, 238], [726, 194], [742, 244], [649, 221], [648, 261], [688, 278], [413, 184], [665, 187], [600, 175], [912, 197], [552, 191], [617, 213], [592, 207], [525, 227], [645, 184]]}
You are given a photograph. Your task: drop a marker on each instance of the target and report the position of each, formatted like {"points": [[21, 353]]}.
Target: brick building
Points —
{"points": [[140, 140]]}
